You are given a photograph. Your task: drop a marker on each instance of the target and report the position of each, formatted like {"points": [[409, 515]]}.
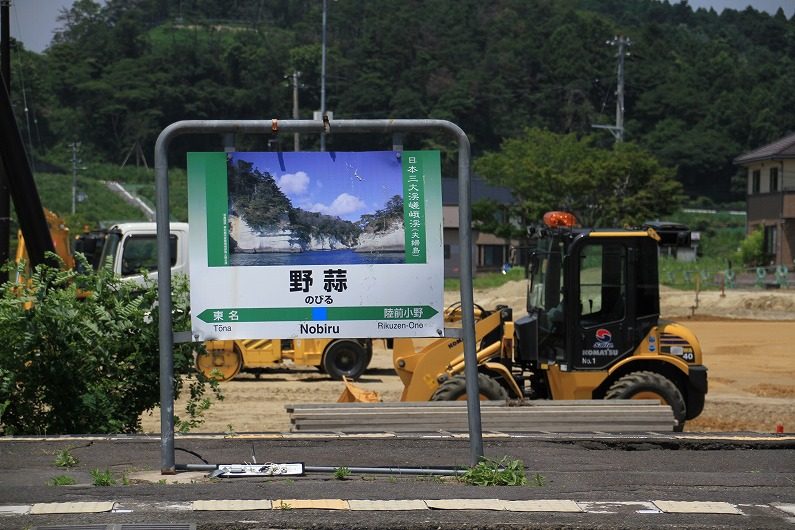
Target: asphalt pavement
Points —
{"points": [[588, 480]]}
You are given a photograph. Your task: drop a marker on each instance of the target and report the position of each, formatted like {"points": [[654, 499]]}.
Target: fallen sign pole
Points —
{"points": [[323, 126]]}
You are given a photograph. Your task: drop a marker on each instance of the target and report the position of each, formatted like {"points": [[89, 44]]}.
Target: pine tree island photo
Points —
{"points": [[315, 208]]}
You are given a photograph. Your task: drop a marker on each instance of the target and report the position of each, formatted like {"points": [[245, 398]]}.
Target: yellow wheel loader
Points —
{"points": [[338, 358], [593, 331]]}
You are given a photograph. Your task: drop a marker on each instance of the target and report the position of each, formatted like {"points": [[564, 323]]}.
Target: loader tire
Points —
{"points": [[651, 385], [455, 389], [345, 358], [221, 365]]}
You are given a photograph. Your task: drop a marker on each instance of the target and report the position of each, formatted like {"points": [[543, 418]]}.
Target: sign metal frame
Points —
{"points": [[274, 126]]}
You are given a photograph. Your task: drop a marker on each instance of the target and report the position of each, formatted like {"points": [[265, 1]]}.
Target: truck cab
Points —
{"points": [[132, 248]]}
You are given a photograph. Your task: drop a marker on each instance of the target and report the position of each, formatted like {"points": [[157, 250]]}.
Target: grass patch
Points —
{"points": [[66, 459], [341, 473], [62, 480], [487, 280], [102, 478], [706, 272], [489, 472]]}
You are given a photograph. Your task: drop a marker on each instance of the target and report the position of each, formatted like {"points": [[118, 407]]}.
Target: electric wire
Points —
{"points": [[21, 75]]}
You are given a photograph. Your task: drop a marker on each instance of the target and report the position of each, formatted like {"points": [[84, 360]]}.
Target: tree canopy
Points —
{"points": [[546, 171], [701, 87]]}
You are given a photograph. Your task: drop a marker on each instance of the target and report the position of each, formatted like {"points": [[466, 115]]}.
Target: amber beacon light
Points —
{"points": [[559, 219]]}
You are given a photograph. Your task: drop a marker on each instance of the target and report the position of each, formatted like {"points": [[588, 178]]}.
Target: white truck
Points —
{"points": [[132, 247]]}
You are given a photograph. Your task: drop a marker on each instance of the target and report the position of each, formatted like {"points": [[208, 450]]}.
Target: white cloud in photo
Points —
{"points": [[344, 204], [294, 183]]}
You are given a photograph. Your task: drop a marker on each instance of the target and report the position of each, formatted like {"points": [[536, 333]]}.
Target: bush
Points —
{"points": [[81, 352], [752, 249]]}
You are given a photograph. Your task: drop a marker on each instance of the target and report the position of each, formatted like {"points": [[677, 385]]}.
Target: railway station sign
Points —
{"points": [[315, 244]]}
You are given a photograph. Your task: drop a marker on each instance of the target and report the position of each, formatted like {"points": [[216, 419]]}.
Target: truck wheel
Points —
{"points": [[651, 385], [221, 365], [455, 389], [345, 358]]}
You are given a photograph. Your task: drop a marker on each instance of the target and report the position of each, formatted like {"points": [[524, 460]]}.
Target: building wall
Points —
{"points": [[787, 254], [786, 172], [763, 207], [768, 208], [452, 253]]}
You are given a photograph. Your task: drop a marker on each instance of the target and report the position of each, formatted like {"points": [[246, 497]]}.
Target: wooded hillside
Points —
{"points": [[700, 87]]}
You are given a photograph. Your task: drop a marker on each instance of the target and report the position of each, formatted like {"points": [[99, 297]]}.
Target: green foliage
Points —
{"points": [[548, 171], [62, 480], [116, 74], [704, 273], [81, 352], [489, 472], [487, 280], [341, 473], [102, 478], [64, 458], [256, 198], [383, 219], [721, 231], [752, 249], [102, 207]]}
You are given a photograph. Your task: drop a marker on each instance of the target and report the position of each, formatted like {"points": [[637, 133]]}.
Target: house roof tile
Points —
{"points": [[782, 148], [479, 189]]}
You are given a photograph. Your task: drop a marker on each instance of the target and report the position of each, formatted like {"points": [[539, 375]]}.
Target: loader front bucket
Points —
{"points": [[355, 394]]}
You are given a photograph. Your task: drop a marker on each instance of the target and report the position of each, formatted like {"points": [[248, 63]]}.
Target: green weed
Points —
{"points": [[62, 480], [102, 478], [341, 473], [64, 458], [489, 472]]}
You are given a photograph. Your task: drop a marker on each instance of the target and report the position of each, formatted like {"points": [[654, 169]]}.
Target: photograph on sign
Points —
{"points": [[315, 216], [315, 244]]}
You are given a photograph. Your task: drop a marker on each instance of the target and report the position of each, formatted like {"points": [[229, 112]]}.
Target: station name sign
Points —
{"points": [[315, 244]]}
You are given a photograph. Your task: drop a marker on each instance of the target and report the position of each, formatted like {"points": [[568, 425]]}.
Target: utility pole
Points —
{"points": [[323, 78], [296, 141], [5, 68], [75, 146], [622, 43]]}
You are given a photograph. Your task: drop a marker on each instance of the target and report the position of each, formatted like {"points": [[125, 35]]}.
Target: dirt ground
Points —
{"points": [[747, 338]]}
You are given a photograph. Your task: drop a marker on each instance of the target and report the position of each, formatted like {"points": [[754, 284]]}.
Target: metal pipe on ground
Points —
{"points": [[451, 472]]}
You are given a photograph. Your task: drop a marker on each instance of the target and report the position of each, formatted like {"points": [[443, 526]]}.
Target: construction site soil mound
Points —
{"points": [[747, 337]]}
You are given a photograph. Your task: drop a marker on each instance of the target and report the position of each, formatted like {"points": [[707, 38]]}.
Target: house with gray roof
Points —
{"points": [[489, 252], [770, 202]]}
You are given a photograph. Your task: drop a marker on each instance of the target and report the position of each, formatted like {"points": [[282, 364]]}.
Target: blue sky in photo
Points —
{"points": [[341, 184]]}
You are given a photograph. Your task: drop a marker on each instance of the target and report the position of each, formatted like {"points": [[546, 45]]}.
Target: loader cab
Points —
{"points": [[612, 280], [594, 294]]}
